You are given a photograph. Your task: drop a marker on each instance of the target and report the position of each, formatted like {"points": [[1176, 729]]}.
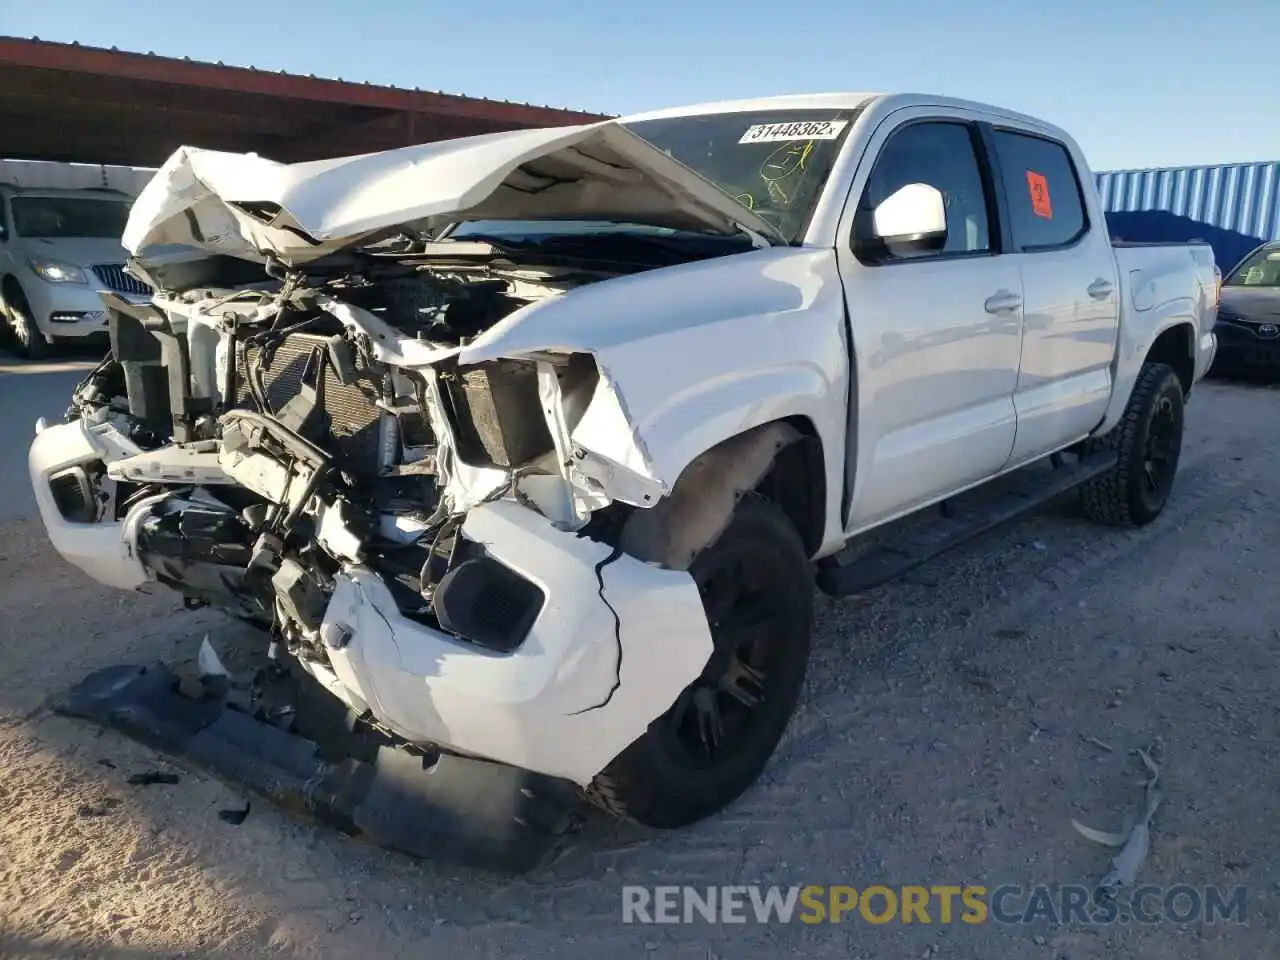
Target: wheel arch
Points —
{"points": [[9, 285], [782, 460], [1176, 346], [1153, 336]]}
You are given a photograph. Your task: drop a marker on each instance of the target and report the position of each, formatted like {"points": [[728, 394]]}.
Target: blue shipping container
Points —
{"points": [[1234, 207]]}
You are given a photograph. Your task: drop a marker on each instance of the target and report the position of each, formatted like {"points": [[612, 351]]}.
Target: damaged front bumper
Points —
{"points": [[613, 642], [613, 646]]}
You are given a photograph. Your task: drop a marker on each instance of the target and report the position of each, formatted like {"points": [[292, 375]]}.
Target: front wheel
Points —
{"points": [[22, 326], [1149, 442], [715, 740]]}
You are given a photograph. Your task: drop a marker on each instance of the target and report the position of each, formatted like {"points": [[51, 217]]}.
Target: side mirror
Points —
{"points": [[913, 219]]}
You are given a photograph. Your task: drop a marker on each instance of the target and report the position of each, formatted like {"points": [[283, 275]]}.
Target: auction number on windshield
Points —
{"points": [[797, 130]]}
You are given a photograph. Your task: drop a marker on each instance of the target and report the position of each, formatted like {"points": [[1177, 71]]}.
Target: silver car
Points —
{"points": [[59, 249]]}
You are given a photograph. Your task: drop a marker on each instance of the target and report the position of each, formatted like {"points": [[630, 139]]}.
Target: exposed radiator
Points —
{"points": [[355, 420]]}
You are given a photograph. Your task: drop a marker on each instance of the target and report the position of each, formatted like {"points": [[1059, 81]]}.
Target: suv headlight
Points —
{"points": [[55, 271]]}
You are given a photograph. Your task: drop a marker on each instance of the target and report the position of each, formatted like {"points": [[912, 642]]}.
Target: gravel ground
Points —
{"points": [[941, 741]]}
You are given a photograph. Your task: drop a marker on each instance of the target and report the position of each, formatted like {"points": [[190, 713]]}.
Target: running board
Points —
{"points": [[850, 572]]}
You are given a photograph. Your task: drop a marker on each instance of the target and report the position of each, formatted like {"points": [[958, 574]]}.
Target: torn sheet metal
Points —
{"points": [[473, 812]]}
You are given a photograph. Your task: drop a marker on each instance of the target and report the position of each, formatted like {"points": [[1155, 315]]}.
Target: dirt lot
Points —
{"points": [[941, 741]]}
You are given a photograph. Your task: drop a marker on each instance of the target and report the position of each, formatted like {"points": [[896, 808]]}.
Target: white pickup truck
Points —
{"points": [[529, 446]]}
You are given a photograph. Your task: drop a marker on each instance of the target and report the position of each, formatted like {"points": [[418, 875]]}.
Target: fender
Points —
{"points": [[692, 355], [1140, 328], [668, 435]]}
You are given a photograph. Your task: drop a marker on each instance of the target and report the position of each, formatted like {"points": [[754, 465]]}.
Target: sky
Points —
{"points": [[1138, 82]]}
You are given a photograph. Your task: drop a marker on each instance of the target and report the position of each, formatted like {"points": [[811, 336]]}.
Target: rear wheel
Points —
{"points": [[1149, 443], [715, 740]]}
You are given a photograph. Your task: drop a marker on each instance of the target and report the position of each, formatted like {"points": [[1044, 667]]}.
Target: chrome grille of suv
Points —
{"points": [[112, 275]]}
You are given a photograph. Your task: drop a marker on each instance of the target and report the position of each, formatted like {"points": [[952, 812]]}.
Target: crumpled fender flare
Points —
{"points": [[702, 500]]}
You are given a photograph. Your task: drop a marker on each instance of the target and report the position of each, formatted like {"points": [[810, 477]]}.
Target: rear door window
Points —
{"points": [[1046, 205]]}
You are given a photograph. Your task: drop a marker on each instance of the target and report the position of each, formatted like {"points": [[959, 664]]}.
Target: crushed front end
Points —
{"points": [[305, 450]]}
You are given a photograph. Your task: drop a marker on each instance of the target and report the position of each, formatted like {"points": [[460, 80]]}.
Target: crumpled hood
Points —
{"points": [[245, 206]]}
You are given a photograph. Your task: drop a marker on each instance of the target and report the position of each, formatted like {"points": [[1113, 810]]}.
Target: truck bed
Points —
{"points": [[1156, 264], [1159, 277]]}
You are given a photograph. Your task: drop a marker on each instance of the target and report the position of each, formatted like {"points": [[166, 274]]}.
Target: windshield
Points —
{"points": [[1260, 269], [60, 217], [775, 162]]}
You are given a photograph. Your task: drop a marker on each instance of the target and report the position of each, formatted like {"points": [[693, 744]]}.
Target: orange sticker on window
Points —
{"points": [[1041, 205]]}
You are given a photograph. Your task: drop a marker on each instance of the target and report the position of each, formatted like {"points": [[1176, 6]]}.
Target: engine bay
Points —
{"points": [[272, 432]]}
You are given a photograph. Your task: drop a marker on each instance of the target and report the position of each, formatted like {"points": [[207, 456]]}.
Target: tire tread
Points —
{"points": [[1107, 498]]}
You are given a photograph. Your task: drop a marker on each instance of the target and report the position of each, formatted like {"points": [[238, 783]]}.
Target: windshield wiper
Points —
{"points": [[673, 241]]}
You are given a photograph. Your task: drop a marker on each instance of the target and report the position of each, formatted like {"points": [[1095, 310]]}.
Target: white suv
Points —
{"points": [[59, 249]]}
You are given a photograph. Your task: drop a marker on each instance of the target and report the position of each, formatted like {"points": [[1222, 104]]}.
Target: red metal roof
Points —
{"points": [[68, 102]]}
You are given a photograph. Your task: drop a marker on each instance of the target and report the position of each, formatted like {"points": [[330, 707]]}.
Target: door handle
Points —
{"points": [[1100, 289], [1002, 301]]}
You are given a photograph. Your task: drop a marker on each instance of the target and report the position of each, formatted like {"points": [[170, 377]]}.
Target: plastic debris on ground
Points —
{"points": [[1134, 841], [292, 742]]}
